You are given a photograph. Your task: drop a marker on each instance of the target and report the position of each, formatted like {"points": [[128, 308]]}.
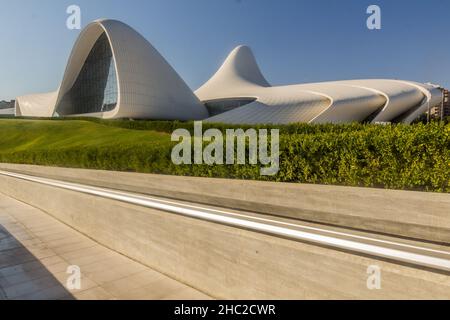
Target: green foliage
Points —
{"points": [[415, 157]]}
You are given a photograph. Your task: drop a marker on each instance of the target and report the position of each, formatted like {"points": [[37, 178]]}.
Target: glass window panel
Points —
{"points": [[95, 89]]}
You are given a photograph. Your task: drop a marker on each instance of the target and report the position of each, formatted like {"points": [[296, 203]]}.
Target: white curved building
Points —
{"points": [[239, 94], [113, 72]]}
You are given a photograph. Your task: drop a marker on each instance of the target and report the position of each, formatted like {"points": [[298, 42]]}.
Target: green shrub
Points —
{"points": [[415, 157]]}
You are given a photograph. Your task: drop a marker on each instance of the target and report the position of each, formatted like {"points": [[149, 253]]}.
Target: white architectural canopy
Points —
{"points": [[239, 94], [113, 72]]}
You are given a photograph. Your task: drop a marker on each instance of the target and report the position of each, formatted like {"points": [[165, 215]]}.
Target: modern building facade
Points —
{"points": [[443, 110], [446, 103], [113, 72], [240, 80]]}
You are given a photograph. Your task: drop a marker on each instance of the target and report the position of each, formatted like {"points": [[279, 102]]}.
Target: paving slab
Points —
{"points": [[38, 255]]}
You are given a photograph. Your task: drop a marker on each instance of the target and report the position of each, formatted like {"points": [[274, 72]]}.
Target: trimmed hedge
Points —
{"points": [[415, 157]]}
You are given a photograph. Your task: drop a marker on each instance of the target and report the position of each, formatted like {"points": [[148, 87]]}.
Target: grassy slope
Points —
{"points": [[28, 135], [83, 144]]}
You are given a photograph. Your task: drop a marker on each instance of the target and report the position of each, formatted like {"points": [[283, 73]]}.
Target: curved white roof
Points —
{"points": [[148, 87], [327, 102]]}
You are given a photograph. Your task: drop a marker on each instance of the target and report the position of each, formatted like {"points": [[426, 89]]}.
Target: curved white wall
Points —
{"points": [[37, 105], [148, 87]]}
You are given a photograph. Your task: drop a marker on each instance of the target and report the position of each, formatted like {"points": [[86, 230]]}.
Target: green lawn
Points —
{"points": [[38, 135], [82, 144]]}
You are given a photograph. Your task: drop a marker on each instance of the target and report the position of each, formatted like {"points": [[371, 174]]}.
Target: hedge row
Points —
{"points": [[415, 157]]}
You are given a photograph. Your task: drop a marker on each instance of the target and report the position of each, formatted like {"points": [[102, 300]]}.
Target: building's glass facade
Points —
{"points": [[95, 89], [216, 107]]}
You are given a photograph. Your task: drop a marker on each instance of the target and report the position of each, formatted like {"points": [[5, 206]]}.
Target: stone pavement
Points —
{"points": [[36, 251]]}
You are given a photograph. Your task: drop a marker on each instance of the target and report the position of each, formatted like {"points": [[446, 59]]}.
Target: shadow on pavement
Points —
{"points": [[23, 276]]}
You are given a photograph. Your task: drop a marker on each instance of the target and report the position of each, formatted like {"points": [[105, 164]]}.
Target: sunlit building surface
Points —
{"points": [[113, 72]]}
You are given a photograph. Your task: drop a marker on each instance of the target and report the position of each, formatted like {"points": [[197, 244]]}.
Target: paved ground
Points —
{"points": [[36, 251]]}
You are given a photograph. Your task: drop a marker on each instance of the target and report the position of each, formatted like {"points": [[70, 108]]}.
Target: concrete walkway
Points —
{"points": [[36, 251]]}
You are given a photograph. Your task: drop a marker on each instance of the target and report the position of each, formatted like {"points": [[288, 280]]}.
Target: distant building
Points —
{"points": [[446, 104], [7, 108], [7, 104], [4, 104], [443, 109]]}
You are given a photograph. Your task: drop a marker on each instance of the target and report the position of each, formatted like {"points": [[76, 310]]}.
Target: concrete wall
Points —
{"points": [[411, 214], [226, 262]]}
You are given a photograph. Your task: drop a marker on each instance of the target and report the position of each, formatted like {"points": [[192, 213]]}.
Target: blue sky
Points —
{"points": [[294, 41]]}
